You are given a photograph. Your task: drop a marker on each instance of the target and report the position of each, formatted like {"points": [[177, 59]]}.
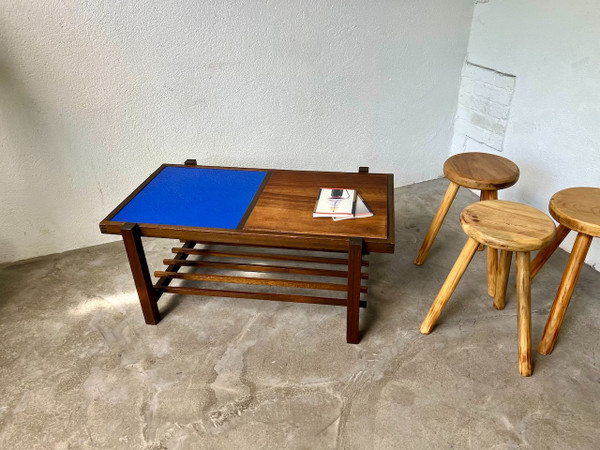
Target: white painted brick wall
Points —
{"points": [[483, 109]]}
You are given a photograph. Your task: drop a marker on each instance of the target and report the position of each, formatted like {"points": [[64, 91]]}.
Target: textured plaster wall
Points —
{"points": [[95, 95], [553, 132]]}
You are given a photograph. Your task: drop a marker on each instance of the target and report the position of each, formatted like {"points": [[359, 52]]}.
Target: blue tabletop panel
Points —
{"points": [[194, 197]]}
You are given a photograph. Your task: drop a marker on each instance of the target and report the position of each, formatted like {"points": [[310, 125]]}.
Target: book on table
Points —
{"points": [[361, 210], [335, 202]]}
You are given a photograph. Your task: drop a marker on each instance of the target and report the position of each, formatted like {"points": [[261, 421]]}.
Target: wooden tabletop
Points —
{"points": [[577, 208], [281, 213], [482, 171], [287, 202], [507, 225]]}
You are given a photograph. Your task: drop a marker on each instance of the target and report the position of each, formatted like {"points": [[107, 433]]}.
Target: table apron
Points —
{"points": [[251, 239]]}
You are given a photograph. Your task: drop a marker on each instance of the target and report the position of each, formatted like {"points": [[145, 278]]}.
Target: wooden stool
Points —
{"points": [[576, 209], [510, 227], [483, 171]]}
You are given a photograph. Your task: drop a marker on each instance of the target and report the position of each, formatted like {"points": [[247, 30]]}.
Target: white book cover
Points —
{"points": [[361, 210], [335, 202]]}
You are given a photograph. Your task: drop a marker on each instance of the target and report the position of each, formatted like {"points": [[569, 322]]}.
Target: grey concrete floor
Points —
{"points": [[80, 369]]}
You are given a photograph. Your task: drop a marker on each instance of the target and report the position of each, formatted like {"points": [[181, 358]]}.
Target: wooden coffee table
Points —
{"points": [[259, 208]]}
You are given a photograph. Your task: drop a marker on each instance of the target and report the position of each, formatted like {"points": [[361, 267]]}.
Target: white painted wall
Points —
{"points": [[553, 133], [95, 95]]}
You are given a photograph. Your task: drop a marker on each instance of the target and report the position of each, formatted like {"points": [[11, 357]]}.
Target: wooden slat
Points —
{"points": [[174, 266], [259, 268], [315, 259], [256, 281], [258, 296]]}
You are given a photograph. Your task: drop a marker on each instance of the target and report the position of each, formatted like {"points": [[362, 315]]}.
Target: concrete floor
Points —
{"points": [[80, 369]]}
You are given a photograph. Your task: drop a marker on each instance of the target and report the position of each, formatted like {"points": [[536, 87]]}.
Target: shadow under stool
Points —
{"points": [[508, 227], [482, 171], [576, 209]]}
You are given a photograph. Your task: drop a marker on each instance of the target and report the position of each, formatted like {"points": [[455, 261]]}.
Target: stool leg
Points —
{"points": [[437, 223], [492, 270], [502, 280], [524, 313], [492, 256], [564, 293], [449, 285], [545, 253], [483, 195]]}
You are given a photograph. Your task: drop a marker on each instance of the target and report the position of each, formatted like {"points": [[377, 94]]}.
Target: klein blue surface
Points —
{"points": [[194, 197]]}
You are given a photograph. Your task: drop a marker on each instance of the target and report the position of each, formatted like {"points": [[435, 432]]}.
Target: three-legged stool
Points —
{"points": [[509, 227], [576, 209], [483, 171]]}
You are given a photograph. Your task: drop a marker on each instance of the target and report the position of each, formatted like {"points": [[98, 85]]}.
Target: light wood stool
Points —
{"points": [[483, 171], [510, 227], [576, 209]]}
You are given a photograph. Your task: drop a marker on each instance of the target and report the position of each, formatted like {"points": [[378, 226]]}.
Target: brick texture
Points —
{"points": [[483, 109]]}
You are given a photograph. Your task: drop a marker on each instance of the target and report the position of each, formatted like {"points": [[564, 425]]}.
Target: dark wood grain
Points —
{"points": [[374, 230], [257, 281], [280, 216], [268, 256], [294, 298], [247, 239], [174, 266], [139, 270], [287, 203], [391, 218], [260, 268], [353, 289]]}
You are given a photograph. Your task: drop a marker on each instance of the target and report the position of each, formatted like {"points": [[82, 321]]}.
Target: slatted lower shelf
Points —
{"points": [[262, 268], [258, 255], [180, 260], [259, 296]]}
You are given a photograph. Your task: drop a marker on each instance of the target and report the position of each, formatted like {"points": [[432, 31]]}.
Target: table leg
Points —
{"points": [[355, 252], [139, 270]]}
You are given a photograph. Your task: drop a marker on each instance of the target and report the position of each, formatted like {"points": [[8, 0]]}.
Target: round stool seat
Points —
{"points": [[507, 225], [578, 209], [481, 171]]}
